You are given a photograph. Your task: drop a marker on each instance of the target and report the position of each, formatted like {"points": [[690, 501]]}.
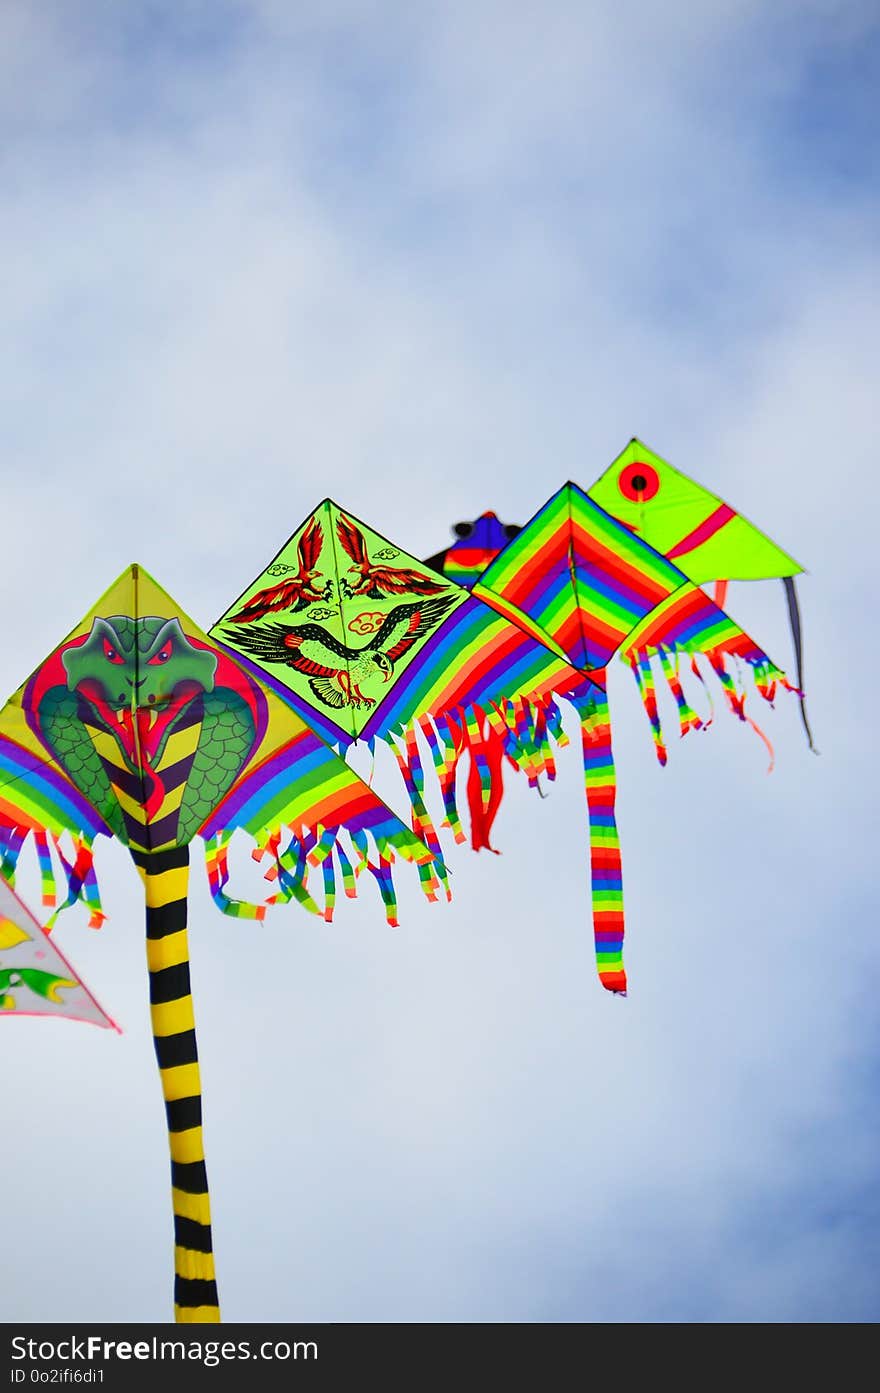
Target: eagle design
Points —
{"points": [[375, 581], [299, 591], [336, 671]]}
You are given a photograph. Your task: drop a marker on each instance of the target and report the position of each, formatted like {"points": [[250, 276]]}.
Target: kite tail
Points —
{"points": [[47, 870], [518, 731], [445, 743], [165, 875], [11, 843], [82, 883], [306, 851], [217, 867], [640, 664], [794, 619], [433, 874], [302, 809], [689, 623], [687, 716], [485, 782], [75, 880], [601, 787], [479, 740]]}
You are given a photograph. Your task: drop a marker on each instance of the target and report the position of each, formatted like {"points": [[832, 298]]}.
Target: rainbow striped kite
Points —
{"points": [[367, 644], [589, 587]]}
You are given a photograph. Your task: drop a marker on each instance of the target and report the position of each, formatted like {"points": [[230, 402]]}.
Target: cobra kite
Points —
{"points": [[138, 727]]}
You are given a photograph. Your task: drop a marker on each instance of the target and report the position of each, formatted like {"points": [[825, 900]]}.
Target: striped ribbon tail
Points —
{"points": [[601, 787], [643, 673], [485, 784], [165, 875]]}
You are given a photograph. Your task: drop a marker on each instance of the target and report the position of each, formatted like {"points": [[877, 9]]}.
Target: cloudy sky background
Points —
{"points": [[430, 260]]}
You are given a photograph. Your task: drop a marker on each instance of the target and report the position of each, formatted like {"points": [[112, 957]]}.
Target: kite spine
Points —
{"points": [[165, 875]]}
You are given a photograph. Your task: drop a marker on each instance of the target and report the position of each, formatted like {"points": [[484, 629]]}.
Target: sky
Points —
{"points": [[430, 260]]}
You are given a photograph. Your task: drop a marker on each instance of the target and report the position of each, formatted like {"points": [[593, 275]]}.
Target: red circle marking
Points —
{"points": [[639, 481]]}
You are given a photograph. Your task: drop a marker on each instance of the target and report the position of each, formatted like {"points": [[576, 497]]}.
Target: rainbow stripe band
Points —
{"points": [[581, 577], [605, 864]]}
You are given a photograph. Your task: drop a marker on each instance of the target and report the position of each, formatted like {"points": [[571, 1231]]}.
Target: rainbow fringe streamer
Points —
{"points": [[688, 622], [306, 851], [523, 730], [433, 875], [65, 880]]}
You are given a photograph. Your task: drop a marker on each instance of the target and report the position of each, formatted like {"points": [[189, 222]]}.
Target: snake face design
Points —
{"points": [[127, 666], [138, 716], [147, 659]]}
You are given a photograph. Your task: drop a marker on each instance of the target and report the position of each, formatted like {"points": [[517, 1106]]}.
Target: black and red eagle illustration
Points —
{"points": [[372, 581], [335, 670], [295, 593]]}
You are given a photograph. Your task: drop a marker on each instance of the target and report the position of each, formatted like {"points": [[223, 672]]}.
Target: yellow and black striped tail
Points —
{"points": [[165, 875]]}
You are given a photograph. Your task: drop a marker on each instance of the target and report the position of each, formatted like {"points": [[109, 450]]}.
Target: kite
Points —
{"points": [[479, 542], [395, 652], [35, 977], [589, 587], [138, 727], [705, 538]]}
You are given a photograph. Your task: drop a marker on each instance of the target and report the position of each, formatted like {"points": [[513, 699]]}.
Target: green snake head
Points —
{"points": [[127, 661]]}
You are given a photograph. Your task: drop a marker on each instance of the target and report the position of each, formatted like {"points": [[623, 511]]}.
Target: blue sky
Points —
{"points": [[431, 260]]}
